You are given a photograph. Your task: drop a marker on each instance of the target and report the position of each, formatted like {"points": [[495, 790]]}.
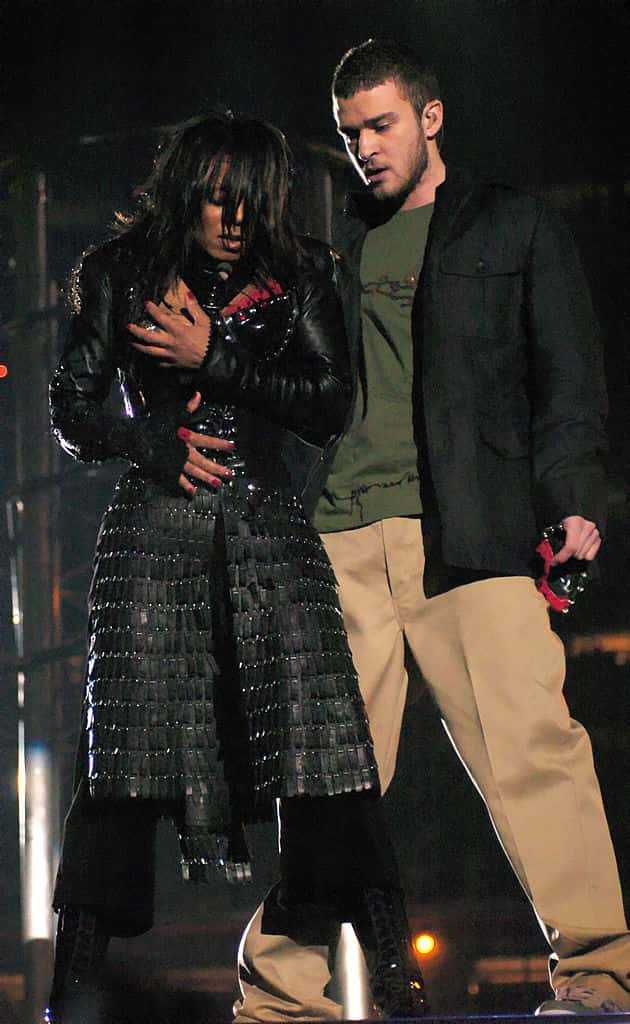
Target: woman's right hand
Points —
{"points": [[197, 465]]}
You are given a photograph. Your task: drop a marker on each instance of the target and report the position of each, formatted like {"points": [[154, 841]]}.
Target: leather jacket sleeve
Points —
{"points": [[83, 425], [308, 388]]}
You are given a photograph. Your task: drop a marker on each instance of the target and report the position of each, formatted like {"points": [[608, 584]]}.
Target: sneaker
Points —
{"points": [[575, 998]]}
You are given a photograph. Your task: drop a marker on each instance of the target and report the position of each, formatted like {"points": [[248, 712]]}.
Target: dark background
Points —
{"points": [[534, 89], [535, 93]]}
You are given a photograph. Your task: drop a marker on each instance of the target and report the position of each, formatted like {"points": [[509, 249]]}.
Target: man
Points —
{"points": [[478, 422]]}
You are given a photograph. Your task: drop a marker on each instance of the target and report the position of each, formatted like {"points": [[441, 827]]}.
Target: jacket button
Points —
{"points": [[480, 266]]}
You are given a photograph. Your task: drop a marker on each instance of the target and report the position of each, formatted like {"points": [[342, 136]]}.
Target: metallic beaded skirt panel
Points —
{"points": [[219, 675]]}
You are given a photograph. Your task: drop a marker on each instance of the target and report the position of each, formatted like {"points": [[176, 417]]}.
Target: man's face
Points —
{"points": [[383, 138]]}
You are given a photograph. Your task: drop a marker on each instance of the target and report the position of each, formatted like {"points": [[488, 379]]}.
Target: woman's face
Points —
{"points": [[210, 234]]}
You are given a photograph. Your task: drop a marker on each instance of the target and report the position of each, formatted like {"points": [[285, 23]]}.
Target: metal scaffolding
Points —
{"points": [[33, 567], [43, 652]]}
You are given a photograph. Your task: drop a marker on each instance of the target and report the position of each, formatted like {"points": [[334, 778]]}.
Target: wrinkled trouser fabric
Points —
{"points": [[496, 671]]}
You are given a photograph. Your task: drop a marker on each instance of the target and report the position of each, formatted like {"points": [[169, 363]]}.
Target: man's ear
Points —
{"points": [[432, 117]]}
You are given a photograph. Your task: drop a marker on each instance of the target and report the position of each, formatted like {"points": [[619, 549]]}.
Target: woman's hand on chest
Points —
{"points": [[179, 336]]}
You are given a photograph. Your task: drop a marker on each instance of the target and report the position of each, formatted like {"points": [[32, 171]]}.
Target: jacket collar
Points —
{"points": [[362, 212], [452, 198], [202, 275]]}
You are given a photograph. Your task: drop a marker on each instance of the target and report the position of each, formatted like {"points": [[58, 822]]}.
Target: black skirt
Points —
{"points": [[219, 675]]}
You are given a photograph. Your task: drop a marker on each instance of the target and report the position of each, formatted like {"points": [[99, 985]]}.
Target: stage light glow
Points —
{"points": [[425, 944], [35, 790], [351, 973]]}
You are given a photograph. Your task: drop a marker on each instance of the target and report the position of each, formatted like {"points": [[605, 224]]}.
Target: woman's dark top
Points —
{"points": [[219, 675]]}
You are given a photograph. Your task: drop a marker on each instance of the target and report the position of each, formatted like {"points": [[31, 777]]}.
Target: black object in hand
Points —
{"points": [[560, 584]]}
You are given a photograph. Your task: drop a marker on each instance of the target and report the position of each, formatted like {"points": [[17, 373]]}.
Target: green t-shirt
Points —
{"points": [[374, 474]]}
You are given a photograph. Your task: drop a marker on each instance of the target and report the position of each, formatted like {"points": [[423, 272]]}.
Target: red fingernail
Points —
{"points": [[145, 304], [216, 481], [232, 444], [229, 472], [192, 492], [183, 433], [190, 295]]}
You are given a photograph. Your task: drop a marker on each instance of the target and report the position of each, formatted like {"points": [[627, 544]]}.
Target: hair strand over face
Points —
{"points": [[219, 157]]}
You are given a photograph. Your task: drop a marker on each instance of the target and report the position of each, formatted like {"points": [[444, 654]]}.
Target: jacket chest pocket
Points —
{"points": [[479, 295]]}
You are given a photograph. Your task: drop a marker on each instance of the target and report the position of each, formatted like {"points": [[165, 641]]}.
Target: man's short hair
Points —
{"points": [[375, 61]]}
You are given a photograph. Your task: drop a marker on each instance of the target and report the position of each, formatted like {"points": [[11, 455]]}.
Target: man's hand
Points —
{"points": [[182, 334], [197, 465], [582, 540]]}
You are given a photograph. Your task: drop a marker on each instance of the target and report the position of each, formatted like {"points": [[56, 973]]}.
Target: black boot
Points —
{"points": [[80, 949], [381, 925]]}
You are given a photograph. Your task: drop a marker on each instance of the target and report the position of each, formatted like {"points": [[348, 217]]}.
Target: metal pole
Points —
{"points": [[32, 583], [351, 976]]}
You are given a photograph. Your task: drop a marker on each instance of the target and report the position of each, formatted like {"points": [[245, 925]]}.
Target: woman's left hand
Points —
{"points": [[181, 336]]}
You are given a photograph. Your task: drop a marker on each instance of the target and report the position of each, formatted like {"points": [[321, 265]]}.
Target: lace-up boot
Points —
{"points": [[76, 996], [380, 922]]}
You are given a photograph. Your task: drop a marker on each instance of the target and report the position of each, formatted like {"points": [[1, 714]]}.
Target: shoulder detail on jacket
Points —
{"points": [[114, 259], [92, 266], [319, 255], [104, 257], [509, 197], [491, 221]]}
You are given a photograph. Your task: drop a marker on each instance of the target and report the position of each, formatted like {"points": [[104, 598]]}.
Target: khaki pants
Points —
{"points": [[496, 672]]}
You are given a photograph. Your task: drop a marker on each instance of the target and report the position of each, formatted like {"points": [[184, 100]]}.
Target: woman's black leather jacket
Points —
{"points": [[281, 365]]}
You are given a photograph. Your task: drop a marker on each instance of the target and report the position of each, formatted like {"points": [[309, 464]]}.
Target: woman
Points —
{"points": [[219, 676]]}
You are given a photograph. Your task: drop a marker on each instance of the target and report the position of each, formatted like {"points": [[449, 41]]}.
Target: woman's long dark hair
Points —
{"points": [[250, 160]]}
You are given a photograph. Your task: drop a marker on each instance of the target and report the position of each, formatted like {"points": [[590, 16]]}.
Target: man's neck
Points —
{"points": [[424, 192]]}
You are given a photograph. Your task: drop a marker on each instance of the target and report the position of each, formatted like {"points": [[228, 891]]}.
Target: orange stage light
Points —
{"points": [[425, 944]]}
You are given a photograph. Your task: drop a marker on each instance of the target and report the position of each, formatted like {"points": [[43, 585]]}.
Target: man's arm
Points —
{"points": [[568, 391]]}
